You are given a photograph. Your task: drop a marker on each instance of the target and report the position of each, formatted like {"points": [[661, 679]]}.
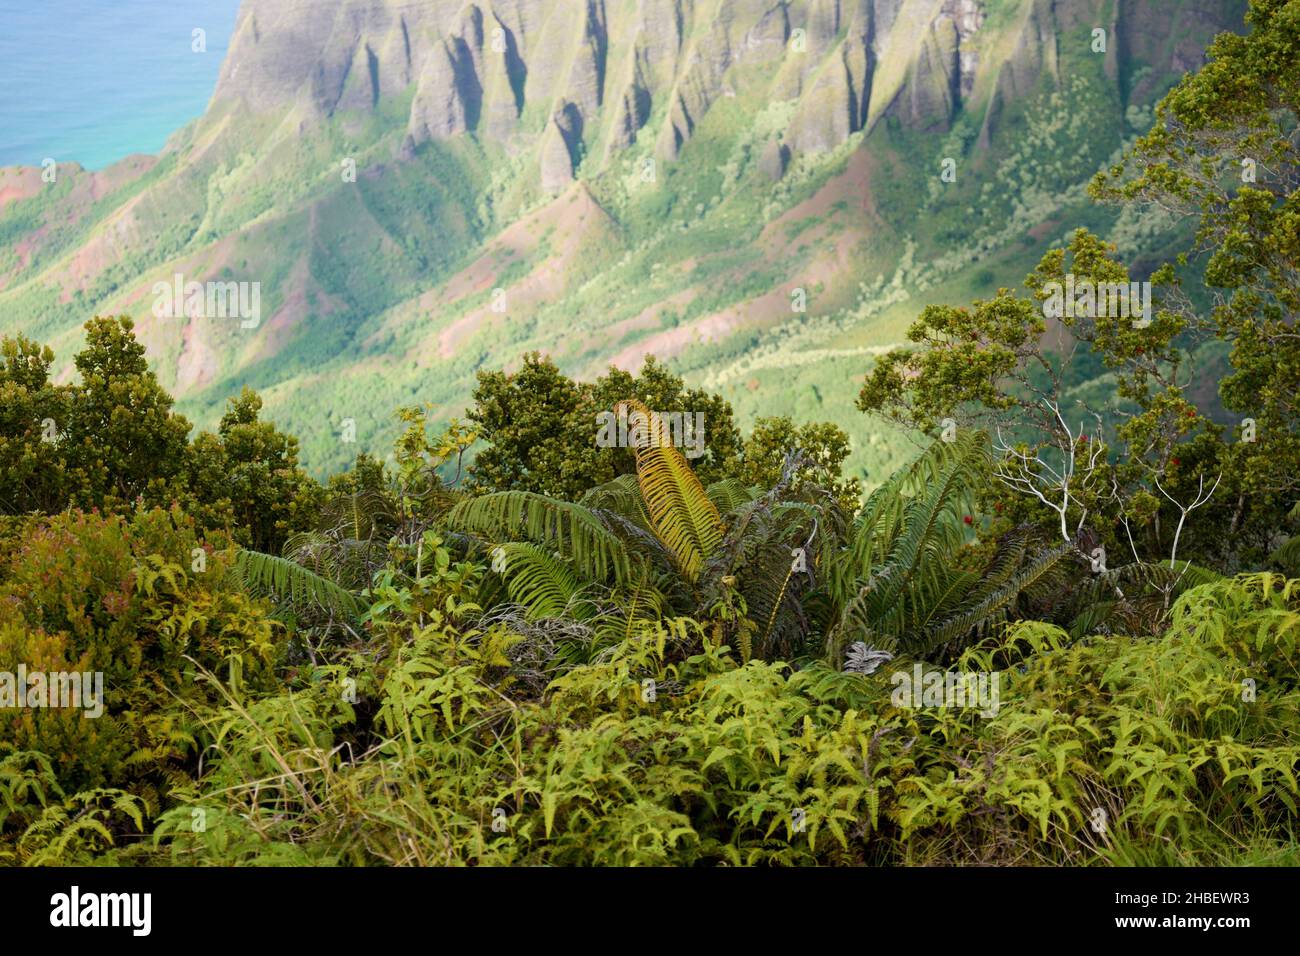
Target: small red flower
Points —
{"points": [[968, 519], [1174, 461]]}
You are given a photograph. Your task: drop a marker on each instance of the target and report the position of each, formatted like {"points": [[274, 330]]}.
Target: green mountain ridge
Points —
{"points": [[599, 180]]}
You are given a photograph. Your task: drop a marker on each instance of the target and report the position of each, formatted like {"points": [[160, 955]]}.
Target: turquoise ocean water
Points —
{"points": [[92, 81]]}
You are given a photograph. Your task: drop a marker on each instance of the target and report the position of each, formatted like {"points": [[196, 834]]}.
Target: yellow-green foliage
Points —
{"points": [[429, 740], [728, 763], [143, 601], [1194, 732]]}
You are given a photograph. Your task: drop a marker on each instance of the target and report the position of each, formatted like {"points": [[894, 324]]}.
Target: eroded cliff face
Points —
{"points": [[574, 78], [589, 77]]}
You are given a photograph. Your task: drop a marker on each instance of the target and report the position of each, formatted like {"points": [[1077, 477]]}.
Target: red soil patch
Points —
{"points": [[852, 187], [18, 182], [571, 222], [197, 364], [648, 318], [832, 264], [121, 173], [109, 242], [302, 298], [108, 246]]}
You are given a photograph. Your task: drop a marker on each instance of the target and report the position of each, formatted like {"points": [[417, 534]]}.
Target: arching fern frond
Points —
{"points": [[729, 494], [571, 529], [1134, 595], [622, 497], [359, 516], [540, 582], [942, 481], [680, 511], [988, 607], [931, 531], [286, 581], [1288, 556]]}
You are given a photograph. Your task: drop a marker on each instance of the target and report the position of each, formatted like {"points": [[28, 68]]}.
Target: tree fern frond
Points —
{"points": [[286, 581], [539, 582], [1287, 556], [622, 497], [363, 515], [1007, 559], [680, 511], [562, 526], [943, 480], [1119, 592], [992, 608], [729, 494], [778, 600], [931, 525]]}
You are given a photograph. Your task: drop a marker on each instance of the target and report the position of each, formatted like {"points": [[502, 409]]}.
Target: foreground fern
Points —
{"points": [[659, 526], [897, 584]]}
